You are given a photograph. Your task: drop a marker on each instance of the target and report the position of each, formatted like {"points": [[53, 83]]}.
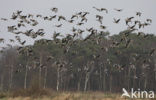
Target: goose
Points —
{"points": [[61, 17], [116, 21], [79, 24], [149, 20], [54, 9], [4, 19], [58, 25], [102, 27], [119, 10], [138, 14]]}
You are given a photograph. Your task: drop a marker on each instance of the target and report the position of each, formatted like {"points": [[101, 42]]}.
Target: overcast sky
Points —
{"points": [[69, 7]]}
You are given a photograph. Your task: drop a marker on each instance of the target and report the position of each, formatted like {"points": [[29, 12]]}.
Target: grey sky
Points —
{"points": [[69, 7]]}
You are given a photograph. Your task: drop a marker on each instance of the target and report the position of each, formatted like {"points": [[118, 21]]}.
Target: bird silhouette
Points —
{"points": [[71, 21], [149, 20], [84, 19], [30, 16], [54, 9], [102, 27], [138, 14], [74, 16], [14, 16], [18, 12], [116, 21], [1, 40], [99, 18], [140, 34], [80, 31], [90, 29], [119, 10], [11, 40], [61, 18], [38, 15], [22, 43], [19, 25], [93, 32], [55, 34], [97, 9], [101, 9], [58, 25], [85, 13], [74, 29], [52, 17], [131, 27], [12, 28], [128, 20], [104, 9], [79, 24], [46, 18], [137, 22], [4, 19]]}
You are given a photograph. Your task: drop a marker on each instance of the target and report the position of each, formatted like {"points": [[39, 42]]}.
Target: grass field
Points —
{"points": [[76, 96]]}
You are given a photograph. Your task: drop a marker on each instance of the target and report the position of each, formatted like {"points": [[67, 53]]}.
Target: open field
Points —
{"points": [[76, 96]]}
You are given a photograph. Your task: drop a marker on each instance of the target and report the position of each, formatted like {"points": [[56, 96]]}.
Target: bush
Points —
{"points": [[2, 95], [31, 92], [35, 90]]}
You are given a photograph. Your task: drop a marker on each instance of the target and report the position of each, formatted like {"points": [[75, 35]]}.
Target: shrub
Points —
{"points": [[2, 95], [31, 92]]}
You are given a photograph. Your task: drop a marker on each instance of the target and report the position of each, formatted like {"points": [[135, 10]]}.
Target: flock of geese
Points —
{"points": [[30, 19]]}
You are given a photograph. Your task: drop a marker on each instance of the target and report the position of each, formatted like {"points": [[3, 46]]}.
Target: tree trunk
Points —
{"points": [[104, 82], [25, 77], [145, 83], [79, 84], [45, 77], [1, 85], [86, 81], [58, 76], [111, 79], [129, 71], [11, 77], [100, 79], [155, 75], [40, 71], [88, 75]]}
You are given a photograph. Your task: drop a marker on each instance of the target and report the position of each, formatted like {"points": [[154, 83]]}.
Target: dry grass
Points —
{"points": [[31, 93], [75, 96]]}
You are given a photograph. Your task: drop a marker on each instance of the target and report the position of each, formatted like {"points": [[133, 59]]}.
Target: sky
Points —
{"points": [[69, 7]]}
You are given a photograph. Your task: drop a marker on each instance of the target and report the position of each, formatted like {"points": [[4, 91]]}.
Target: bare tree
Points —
{"points": [[89, 70]]}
